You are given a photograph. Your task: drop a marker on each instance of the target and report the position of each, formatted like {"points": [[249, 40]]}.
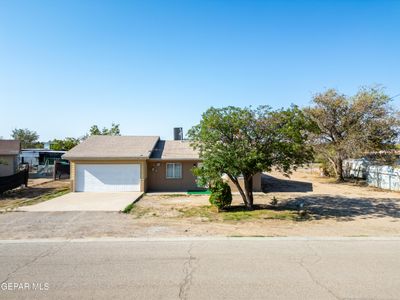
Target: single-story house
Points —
{"points": [[134, 163], [9, 157]]}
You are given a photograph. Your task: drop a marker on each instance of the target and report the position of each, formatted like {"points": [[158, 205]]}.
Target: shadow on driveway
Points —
{"points": [[273, 184]]}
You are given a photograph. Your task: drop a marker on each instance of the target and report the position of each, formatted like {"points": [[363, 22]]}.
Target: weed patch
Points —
{"points": [[140, 211], [128, 208]]}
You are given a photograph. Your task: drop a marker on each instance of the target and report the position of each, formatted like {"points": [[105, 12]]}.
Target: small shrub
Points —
{"points": [[326, 168], [221, 195], [303, 215], [274, 201]]}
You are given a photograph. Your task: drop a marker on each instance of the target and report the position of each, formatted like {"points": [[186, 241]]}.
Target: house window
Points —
{"points": [[174, 170]]}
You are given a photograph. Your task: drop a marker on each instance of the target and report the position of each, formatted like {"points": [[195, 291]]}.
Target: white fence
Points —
{"points": [[355, 168], [384, 177]]}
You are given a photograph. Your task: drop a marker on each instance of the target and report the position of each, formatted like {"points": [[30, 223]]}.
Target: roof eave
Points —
{"points": [[102, 158], [175, 158]]}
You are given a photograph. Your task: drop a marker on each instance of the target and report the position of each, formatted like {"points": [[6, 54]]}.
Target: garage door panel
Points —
{"points": [[107, 177]]}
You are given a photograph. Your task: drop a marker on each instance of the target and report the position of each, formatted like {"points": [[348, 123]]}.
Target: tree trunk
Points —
{"points": [[337, 164], [339, 168], [248, 190], [236, 183], [333, 163]]}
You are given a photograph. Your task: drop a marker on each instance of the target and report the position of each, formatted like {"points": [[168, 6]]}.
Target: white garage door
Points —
{"points": [[108, 178]]}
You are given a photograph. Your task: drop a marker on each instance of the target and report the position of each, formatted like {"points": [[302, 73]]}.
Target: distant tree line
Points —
{"points": [[30, 139]]}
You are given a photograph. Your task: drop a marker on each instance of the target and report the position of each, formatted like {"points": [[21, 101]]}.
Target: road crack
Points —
{"points": [[48, 252], [310, 274], [188, 270]]}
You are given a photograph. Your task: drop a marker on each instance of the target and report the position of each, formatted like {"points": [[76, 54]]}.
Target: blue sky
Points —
{"points": [[153, 65]]}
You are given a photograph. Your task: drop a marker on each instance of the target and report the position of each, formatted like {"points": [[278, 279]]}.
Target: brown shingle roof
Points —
{"points": [[174, 150], [10, 147], [113, 147]]}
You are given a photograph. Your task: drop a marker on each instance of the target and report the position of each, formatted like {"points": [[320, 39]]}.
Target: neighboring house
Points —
{"points": [[134, 163], [257, 186], [9, 157], [36, 157]]}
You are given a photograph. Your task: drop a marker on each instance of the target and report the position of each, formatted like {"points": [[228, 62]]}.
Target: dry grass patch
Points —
{"points": [[141, 212], [239, 213], [265, 214], [210, 214]]}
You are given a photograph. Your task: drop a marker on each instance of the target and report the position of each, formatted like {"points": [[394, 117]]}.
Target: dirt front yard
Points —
{"points": [[305, 205], [329, 209], [38, 190]]}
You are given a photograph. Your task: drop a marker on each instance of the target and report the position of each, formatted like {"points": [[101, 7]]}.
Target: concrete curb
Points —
{"points": [[194, 239]]}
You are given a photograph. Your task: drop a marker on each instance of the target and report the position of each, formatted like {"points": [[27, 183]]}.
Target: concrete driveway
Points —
{"points": [[85, 202]]}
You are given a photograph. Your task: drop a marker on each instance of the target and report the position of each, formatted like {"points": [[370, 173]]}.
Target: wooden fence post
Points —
{"points": [[26, 178]]}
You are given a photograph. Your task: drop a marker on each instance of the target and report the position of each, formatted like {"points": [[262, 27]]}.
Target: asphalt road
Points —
{"points": [[202, 269]]}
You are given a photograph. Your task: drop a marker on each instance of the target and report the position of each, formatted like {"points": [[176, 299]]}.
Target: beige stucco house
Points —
{"points": [[134, 163], [9, 152]]}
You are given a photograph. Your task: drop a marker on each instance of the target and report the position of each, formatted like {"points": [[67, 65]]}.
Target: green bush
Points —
{"points": [[221, 195]]}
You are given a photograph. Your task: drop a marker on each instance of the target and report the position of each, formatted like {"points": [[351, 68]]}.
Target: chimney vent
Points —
{"points": [[178, 134]]}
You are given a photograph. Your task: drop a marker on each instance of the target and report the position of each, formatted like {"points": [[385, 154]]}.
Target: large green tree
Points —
{"points": [[349, 127], [65, 144], [244, 141], [28, 138]]}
